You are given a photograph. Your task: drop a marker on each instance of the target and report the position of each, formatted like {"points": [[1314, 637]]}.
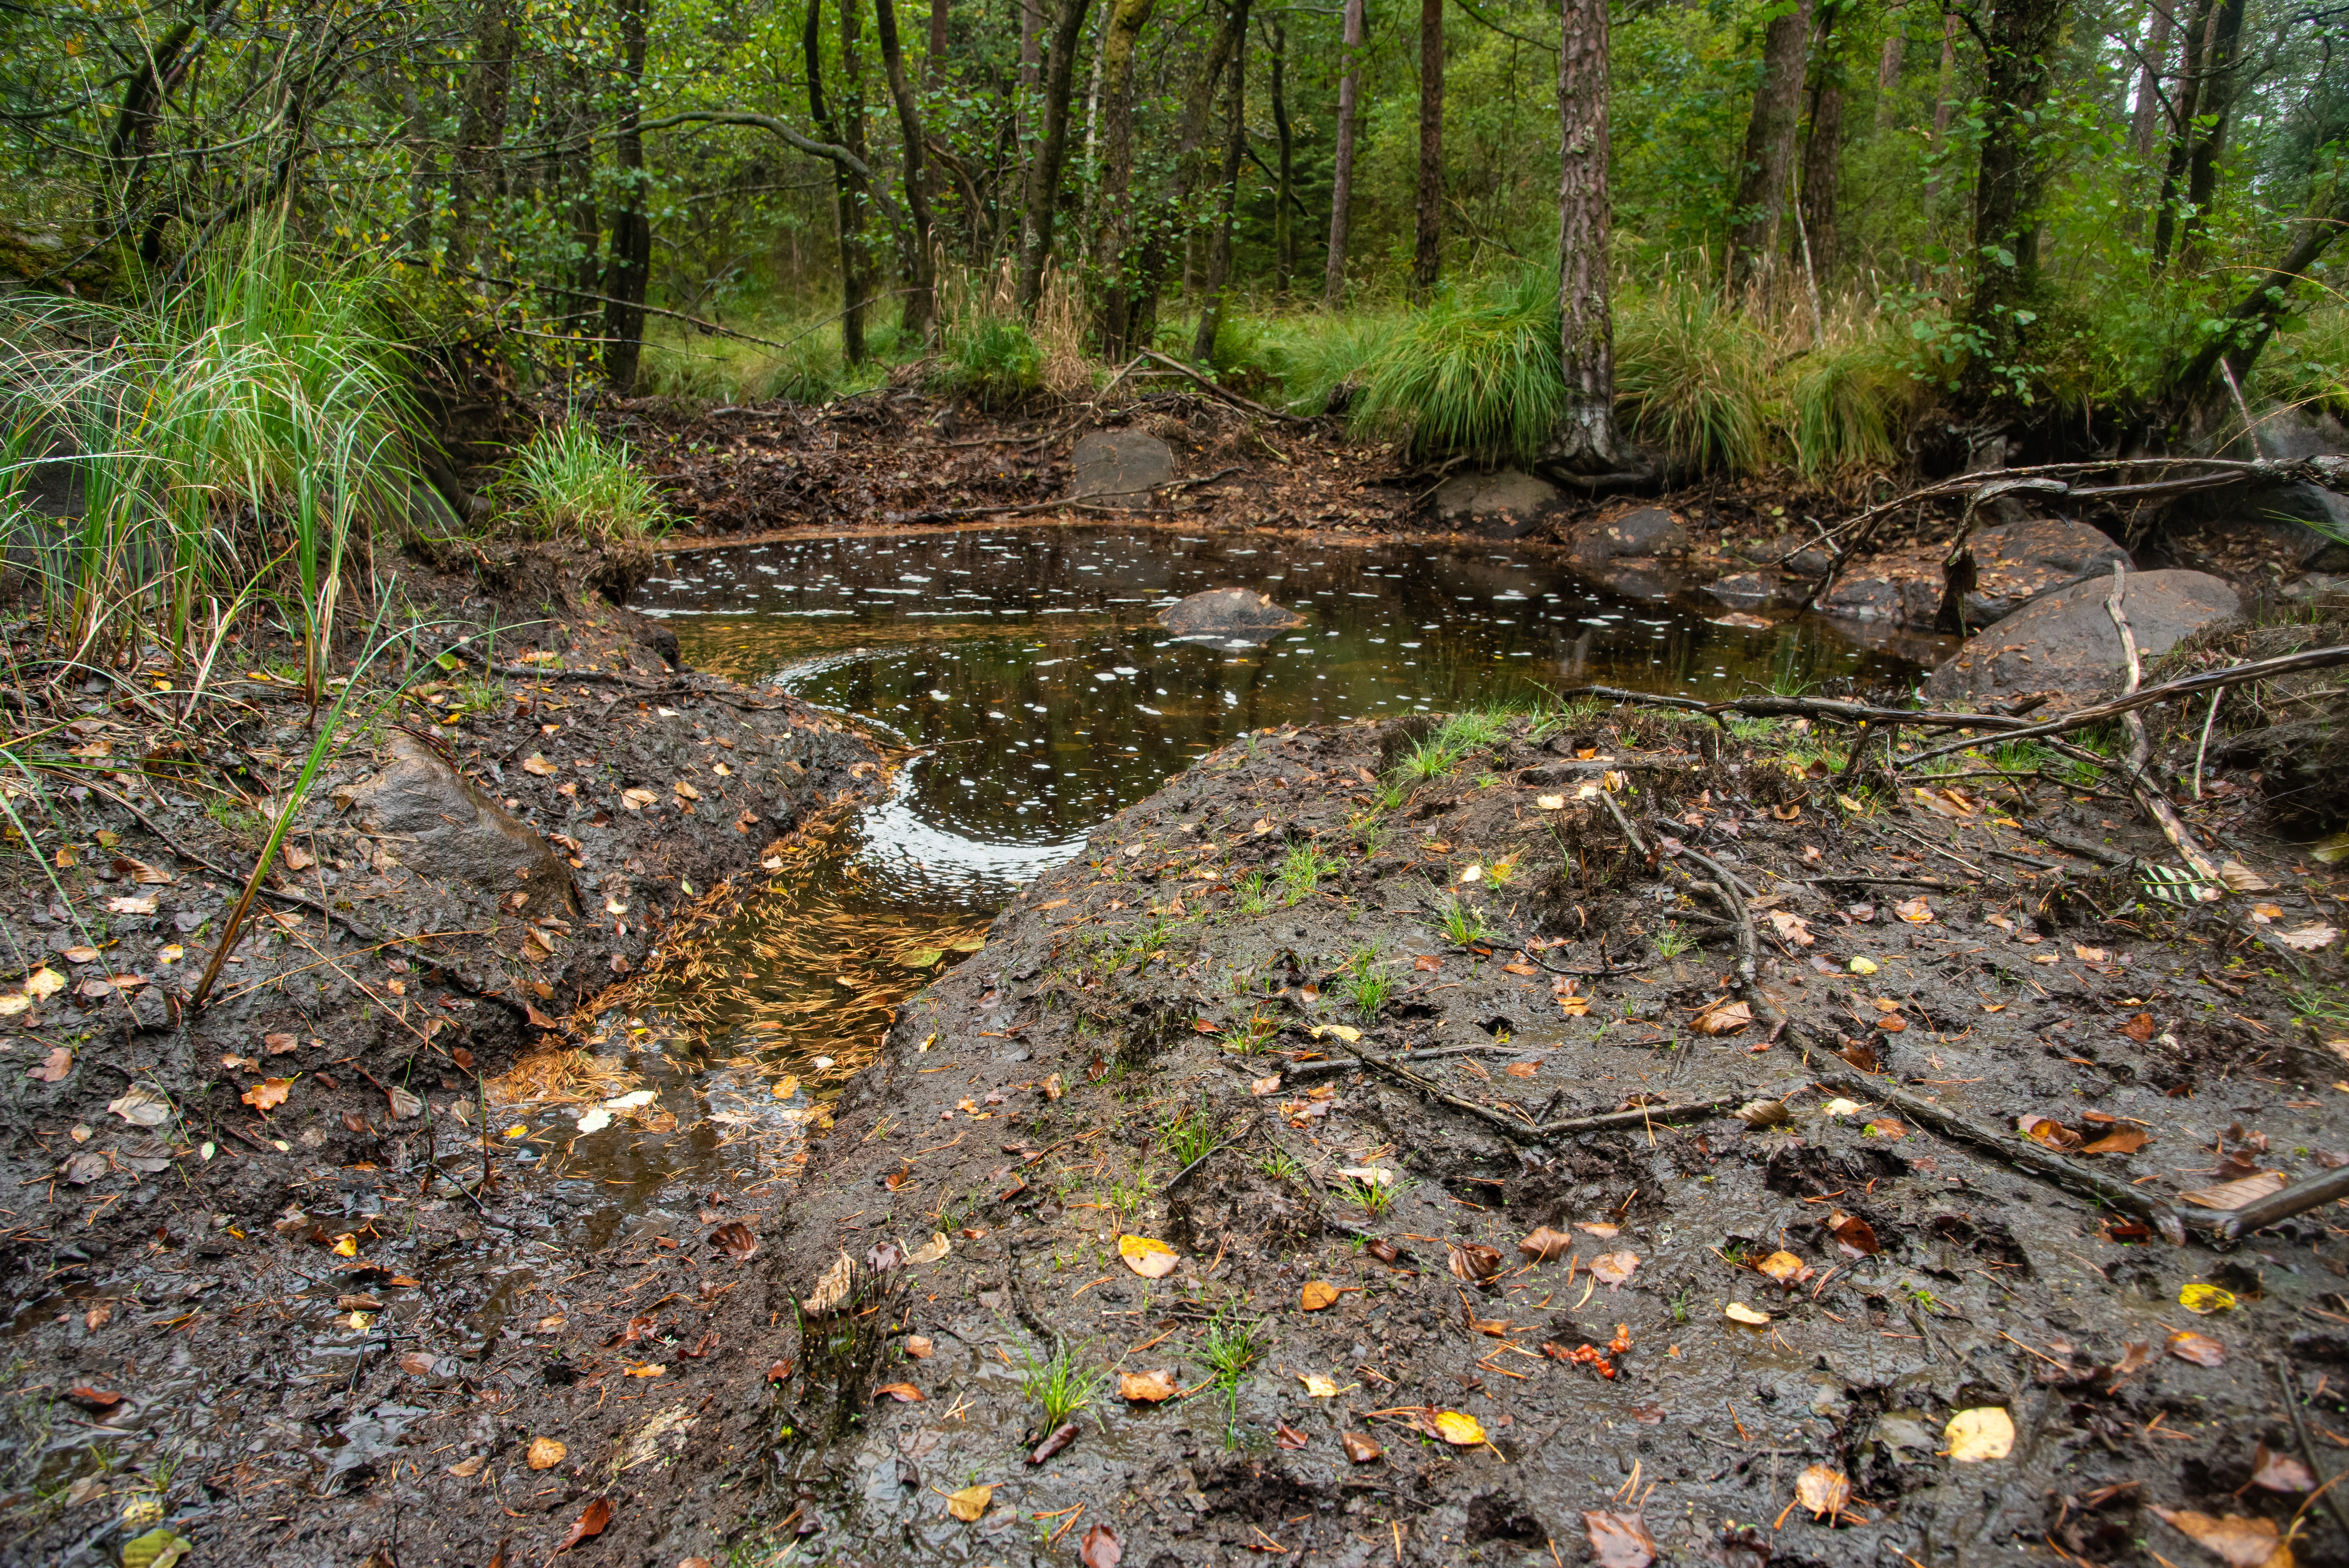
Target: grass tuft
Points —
{"points": [[574, 483]]}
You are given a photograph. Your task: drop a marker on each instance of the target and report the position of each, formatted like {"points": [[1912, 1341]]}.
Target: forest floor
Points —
{"points": [[1156, 1179]]}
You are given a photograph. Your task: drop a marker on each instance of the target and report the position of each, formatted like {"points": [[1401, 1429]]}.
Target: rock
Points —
{"points": [[436, 822], [1236, 613], [1505, 504], [1744, 588], [1648, 531], [2064, 642], [2015, 562], [1903, 601], [1118, 468]]}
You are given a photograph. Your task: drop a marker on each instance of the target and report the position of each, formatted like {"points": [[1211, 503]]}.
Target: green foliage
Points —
{"points": [[574, 483], [1301, 871], [1230, 1348], [1189, 1133], [1475, 374], [1673, 940], [1690, 377], [1461, 923], [1369, 986], [993, 359], [1059, 1384]]}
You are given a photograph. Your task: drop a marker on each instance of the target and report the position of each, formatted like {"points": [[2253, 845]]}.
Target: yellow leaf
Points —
{"points": [[347, 1246], [650, 1369], [1340, 1030], [1987, 1433], [44, 981], [538, 765], [1459, 1428], [969, 1502], [2205, 1299], [518, 1130], [1781, 1266], [686, 789], [1862, 965], [1146, 1388], [1151, 1259], [546, 1453], [1319, 1387], [1738, 1312], [1316, 1294]]}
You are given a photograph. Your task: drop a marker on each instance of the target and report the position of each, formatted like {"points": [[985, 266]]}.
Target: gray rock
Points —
{"points": [[1505, 504], [1902, 600], [1648, 531], [2309, 521], [1118, 468], [2015, 562], [1239, 613], [436, 822], [2064, 642], [1744, 588]]}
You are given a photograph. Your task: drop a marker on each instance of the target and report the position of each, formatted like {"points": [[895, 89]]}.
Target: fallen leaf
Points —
{"points": [[1265, 1086], [2241, 1542], [2088, 954], [2241, 878], [143, 1108], [1427, 963], [1524, 1069], [1545, 1246], [468, 1466], [101, 1400], [591, 1521], [267, 1093], [1723, 1017], [1854, 1234], [539, 766], [637, 799], [1472, 1260], [297, 859], [1359, 1449], [1150, 1259], [1286, 1436], [971, 1503], [1987, 1433], [831, 1289], [45, 982], [1791, 928], [1100, 1548], [1825, 1493], [649, 1369], [2309, 939], [2047, 1131], [2199, 1348], [56, 1066], [1738, 1312], [1612, 1269], [739, 1242], [929, 1252], [404, 1103], [2203, 1300], [2236, 1193], [1601, 1228], [1862, 965], [278, 1045], [903, 1393], [1781, 1266], [2280, 1472], [2121, 1140], [1146, 1388], [1316, 1294], [1619, 1540], [145, 905], [2140, 1028], [1916, 911], [1317, 1387], [546, 1453], [1459, 1428]]}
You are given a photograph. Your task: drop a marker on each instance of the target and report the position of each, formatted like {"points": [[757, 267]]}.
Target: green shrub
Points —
{"points": [[1478, 375], [1691, 379], [572, 482], [992, 359]]}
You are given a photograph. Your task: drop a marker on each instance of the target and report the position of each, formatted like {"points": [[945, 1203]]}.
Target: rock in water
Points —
{"points": [[1506, 504], [2064, 643], [1235, 613], [1642, 532], [436, 820], [1118, 468], [2015, 562]]}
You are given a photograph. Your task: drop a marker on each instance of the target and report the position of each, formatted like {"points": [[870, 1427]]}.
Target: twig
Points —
{"points": [[2155, 804], [2203, 748], [2300, 1429], [1517, 1132], [1233, 398], [1334, 1065], [1203, 1158], [1642, 1117], [2227, 1224]]}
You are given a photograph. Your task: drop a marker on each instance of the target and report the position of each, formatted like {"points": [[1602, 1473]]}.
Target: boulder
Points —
{"points": [[1118, 468], [1505, 504], [434, 819], [1901, 600], [1750, 588], [2064, 643], [1648, 531], [2015, 562], [1239, 613]]}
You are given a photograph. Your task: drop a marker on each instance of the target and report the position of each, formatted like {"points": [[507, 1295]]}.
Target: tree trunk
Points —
{"points": [[2184, 107], [629, 270], [1126, 20], [2019, 45], [482, 125], [1284, 258], [847, 190], [1822, 163], [1945, 87], [921, 306], [1427, 250], [1042, 201], [1032, 52], [1341, 187], [1585, 444], [936, 65], [2252, 320], [1219, 245], [2221, 58], [2147, 115], [1770, 141], [1888, 77]]}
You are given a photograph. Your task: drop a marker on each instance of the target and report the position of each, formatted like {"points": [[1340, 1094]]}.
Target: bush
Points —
{"points": [[571, 481], [992, 359], [1473, 375], [1852, 403], [1692, 379]]}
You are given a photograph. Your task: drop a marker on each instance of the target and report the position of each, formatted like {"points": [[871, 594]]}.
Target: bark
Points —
{"points": [[1427, 249], [1115, 231], [2018, 68], [1042, 205], [1945, 89], [935, 64], [2186, 106], [481, 123], [2252, 321], [1770, 143], [2222, 62], [1585, 445], [2147, 115], [137, 119], [1888, 78], [1822, 161], [630, 267], [847, 190], [1031, 52], [1341, 187], [921, 315], [1284, 256], [1219, 245]]}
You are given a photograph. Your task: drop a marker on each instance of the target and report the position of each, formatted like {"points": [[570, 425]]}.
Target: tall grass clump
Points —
{"points": [[992, 353], [1692, 379], [1852, 400], [2307, 364], [249, 427], [574, 483], [1477, 373]]}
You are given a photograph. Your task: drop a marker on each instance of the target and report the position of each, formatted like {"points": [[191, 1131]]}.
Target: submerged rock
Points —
{"points": [[2064, 643], [1647, 530], [1503, 504], [1236, 613], [436, 820], [1118, 468]]}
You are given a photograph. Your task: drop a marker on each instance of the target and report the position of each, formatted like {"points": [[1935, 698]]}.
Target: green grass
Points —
{"points": [[1474, 373], [1230, 1348], [991, 359], [1190, 1133], [1690, 379], [1281, 1166], [1372, 1198], [1368, 985], [1673, 940], [1461, 923], [571, 482], [1255, 897], [1059, 1384], [1301, 871]]}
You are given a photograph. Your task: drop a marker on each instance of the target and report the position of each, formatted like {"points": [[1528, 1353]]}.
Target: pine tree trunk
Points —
{"points": [[1585, 444], [848, 194], [1219, 245], [1888, 78], [481, 126], [921, 306], [1341, 185], [627, 275], [1770, 143], [1126, 20], [1822, 169], [1945, 83], [2018, 68], [1284, 258], [1427, 250], [936, 65], [1042, 201], [2147, 115]]}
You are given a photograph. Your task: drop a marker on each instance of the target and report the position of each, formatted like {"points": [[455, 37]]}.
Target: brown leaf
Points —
{"points": [[1827, 1492], [1474, 1261], [1613, 1268], [1100, 1548], [1857, 1234], [53, 1069], [1146, 1388], [1359, 1449], [736, 1240], [100, 1400], [1286, 1436], [2139, 1029], [1427, 963], [2121, 1140], [918, 1347], [971, 1503], [2239, 1541], [278, 1045], [415, 1364], [1860, 1053], [1062, 1436], [2046, 1130], [2280, 1472], [2235, 1194], [1522, 1069], [1722, 1017], [1316, 1294], [1781, 1266], [591, 1521], [1545, 1246], [903, 1393], [268, 1092], [1892, 1023], [1915, 911], [1386, 1252], [2199, 1348], [1619, 1540]]}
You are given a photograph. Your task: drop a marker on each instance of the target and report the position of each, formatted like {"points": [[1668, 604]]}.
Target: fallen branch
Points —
{"points": [[2152, 800], [2229, 1225], [1517, 1132], [1233, 398], [1613, 1120]]}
